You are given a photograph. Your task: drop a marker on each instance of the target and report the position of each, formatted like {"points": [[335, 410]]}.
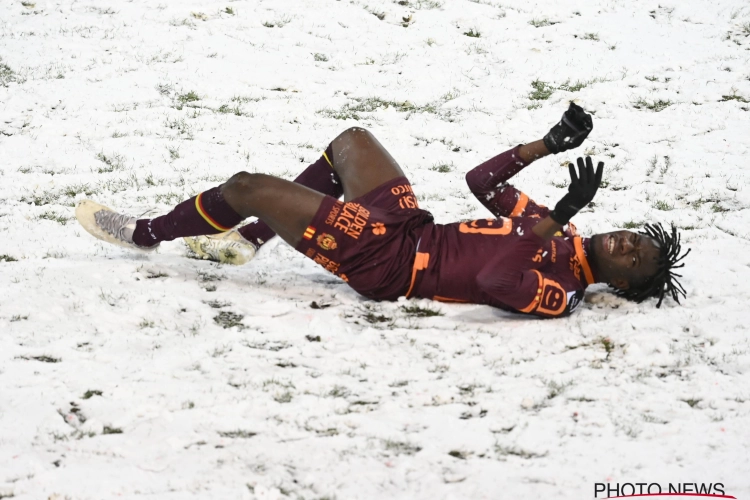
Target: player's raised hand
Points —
{"points": [[581, 191], [570, 132]]}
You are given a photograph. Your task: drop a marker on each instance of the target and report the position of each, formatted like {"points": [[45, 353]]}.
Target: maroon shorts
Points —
{"points": [[371, 241]]}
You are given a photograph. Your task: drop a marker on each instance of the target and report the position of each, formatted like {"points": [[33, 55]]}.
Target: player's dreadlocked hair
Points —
{"points": [[665, 280]]}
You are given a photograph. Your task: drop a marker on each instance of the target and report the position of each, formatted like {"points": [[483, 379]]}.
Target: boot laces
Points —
{"points": [[120, 226]]}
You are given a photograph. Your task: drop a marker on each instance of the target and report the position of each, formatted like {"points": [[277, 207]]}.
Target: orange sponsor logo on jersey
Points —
{"points": [[378, 228], [333, 213], [326, 242], [500, 226], [327, 263], [407, 201], [554, 299], [554, 251], [403, 189], [352, 220], [575, 266]]}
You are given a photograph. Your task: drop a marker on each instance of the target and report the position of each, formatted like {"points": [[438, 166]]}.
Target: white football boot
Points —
{"points": [[107, 225], [226, 248]]}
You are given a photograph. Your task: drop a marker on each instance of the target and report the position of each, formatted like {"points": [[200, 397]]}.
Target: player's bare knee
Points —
{"points": [[353, 133], [240, 184]]}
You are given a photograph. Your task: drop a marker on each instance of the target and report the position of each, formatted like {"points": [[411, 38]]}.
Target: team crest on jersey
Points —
{"points": [[327, 242]]}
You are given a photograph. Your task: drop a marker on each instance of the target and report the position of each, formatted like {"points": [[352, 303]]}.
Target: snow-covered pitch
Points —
{"points": [[159, 376]]}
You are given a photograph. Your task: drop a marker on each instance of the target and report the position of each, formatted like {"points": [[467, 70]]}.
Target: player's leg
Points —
{"points": [[285, 206], [362, 162], [353, 164]]}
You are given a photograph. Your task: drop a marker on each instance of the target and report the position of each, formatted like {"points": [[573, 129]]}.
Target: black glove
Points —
{"points": [[570, 131], [580, 192]]}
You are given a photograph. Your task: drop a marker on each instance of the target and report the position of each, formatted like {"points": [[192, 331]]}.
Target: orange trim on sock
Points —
{"points": [[578, 244], [421, 261], [309, 233], [206, 217], [523, 200], [537, 298]]}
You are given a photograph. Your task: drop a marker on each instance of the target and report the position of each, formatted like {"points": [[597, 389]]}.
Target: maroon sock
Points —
{"points": [[319, 176], [207, 213]]}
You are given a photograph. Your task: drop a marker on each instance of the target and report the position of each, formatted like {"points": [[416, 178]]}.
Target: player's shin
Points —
{"points": [[207, 213]]}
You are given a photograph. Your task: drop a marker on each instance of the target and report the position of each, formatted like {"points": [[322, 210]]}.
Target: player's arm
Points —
{"points": [[512, 276], [489, 181], [581, 191]]}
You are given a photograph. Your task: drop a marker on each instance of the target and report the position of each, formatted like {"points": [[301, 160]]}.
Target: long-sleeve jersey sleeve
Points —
{"points": [[489, 183]]}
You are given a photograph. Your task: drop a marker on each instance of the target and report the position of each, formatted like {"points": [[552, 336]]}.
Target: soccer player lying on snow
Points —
{"points": [[527, 259]]}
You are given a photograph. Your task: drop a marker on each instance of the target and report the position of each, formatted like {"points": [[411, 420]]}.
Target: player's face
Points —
{"points": [[624, 258]]}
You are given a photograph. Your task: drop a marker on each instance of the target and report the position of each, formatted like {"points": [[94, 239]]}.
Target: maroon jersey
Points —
{"points": [[500, 261]]}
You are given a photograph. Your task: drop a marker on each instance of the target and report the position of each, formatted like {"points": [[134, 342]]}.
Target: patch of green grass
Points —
{"points": [[41, 199], [228, 319], [174, 153], [421, 312], [217, 304], [229, 10], [554, 389], [145, 323], [371, 317], [420, 4], [74, 190], [473, 33], [542, 91], [354, 110], [655, 106], [7, 75], [517, 452], [401, 447], [338, 391], [734, 97], [18, 317], [239, 433], [320, 57], [111, 430], [188, 97], [443, 168], [591, 36], [608, 345], [91, 393], [716, 208], [574, 87], [181, 126], [60, 219], [692, 402], [663, 205], [42, 358], [112, 162], [379, 14], [632, 225], [285, 397], [540, 23], [165, 88], [7, 258]]}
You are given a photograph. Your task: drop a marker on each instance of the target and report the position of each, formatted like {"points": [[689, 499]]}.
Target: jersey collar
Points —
{"points": [[579, 243]]}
